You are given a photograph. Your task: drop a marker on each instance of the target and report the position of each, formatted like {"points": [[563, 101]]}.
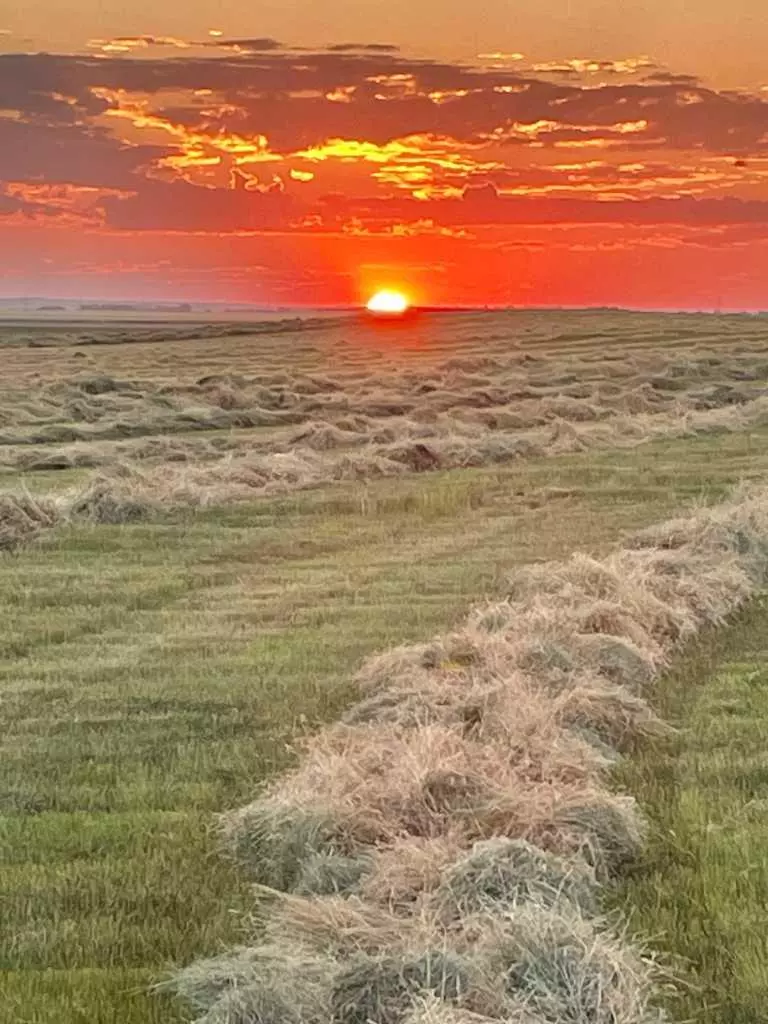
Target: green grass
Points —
{"points": [[702, 891], [154, 674]]}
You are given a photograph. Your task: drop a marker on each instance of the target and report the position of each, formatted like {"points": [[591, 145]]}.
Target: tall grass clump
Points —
{"points": [[439, 853]]}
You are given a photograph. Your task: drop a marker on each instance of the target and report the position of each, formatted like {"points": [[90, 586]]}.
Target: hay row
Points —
{"points": [[315, 460], [128, 491], [520, 390], [437, 856]]}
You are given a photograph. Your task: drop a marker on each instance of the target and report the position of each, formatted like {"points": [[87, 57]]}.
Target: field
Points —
{"points": [[701, 890], [219, 526]]}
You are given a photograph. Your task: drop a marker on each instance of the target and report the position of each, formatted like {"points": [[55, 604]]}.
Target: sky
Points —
{"points": [[568, 152]]}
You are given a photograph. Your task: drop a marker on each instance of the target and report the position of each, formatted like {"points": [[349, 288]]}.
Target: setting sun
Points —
{"points": [[387, 301]]}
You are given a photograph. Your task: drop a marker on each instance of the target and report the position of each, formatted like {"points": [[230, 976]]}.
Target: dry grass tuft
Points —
{"points": [[113, 502], [402, 872], [257, 984], [615, 657], [380, 783], [282, 846], [432, 1010], [384, 988], [563, 970], [23, 518], [498, 875], [607, 831], [331, 874]]}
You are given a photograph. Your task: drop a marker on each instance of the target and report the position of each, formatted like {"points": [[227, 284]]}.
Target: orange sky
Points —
{"points": [[590, 153]]}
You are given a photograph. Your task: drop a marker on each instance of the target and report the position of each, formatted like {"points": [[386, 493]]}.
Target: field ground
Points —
{"points": [[154, 673], [702, 891]]}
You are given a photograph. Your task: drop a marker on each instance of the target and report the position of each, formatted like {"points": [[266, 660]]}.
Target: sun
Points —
{"points": [[388, 301]]}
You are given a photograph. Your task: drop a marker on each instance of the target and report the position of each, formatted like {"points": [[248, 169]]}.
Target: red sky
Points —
{"points": [[569, 156]]}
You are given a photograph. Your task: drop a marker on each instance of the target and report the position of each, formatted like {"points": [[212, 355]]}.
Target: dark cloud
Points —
{"points": [[73, 154], [283, 95], [179, 206], [369, 47], [253, 45], [9, 205], [49, 88], [494, 123], [484, 205], [670, 78]]}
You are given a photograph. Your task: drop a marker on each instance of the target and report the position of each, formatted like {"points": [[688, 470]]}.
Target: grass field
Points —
{"points": [[154, 673], [701, 891]]}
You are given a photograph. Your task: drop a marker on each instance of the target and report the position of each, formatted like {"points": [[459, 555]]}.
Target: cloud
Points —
{"points": [[670, 78], [71, 154], [365, 47], [125, 44], [259, 44], [179, 206], [258, 137], [265, 207], [580, 66], [9, 204]]}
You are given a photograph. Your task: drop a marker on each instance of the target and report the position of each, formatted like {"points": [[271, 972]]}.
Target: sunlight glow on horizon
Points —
{"points": [[388, 301]]}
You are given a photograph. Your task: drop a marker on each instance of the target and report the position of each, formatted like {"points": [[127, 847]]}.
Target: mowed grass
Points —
{"points": [[702, 891], [154, 674]]}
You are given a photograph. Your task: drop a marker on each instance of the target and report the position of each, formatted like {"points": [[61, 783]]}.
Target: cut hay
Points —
{"points": [[112, 502], [607, 831], [384, 988], [24, 517], [282, 846], [498, 875], [560, 968], [407, 869], [379, 783], [432, 1010], [257, 985], [615, 657], [444, 846], [353, 444], [331, 874]]}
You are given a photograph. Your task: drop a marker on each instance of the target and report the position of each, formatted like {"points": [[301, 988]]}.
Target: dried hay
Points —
{"points": [[453, 831], [403, 871], [377, 784], [257, 985], [281, 845], [615, 657], [607, 831], [430, 1009], [384, 988], [324, 437], [329, 874], [565, 971], [499, 874], [113, 501], [24, 517]]}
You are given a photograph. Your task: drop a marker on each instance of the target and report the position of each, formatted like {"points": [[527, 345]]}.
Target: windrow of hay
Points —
{"points": [[451, 412], [313, 459], [25, 517], [437, 856]]}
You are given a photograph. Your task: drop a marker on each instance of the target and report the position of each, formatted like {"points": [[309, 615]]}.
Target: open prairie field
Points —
{"points": [[206, 529]]}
